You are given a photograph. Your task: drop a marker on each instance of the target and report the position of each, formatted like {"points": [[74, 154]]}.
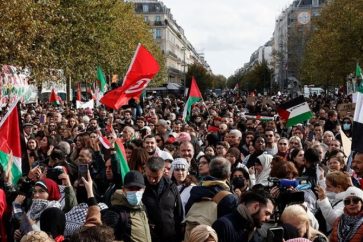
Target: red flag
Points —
{"points": [[54, 98], [194, 89], [79, 96], [142, 69]]}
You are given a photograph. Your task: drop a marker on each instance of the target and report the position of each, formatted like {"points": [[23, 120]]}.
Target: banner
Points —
{"points": [[90, 104]]}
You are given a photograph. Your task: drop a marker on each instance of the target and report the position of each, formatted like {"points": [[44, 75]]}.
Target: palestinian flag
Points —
{"points": [[194, 97], [357, 138], [54, 98], [10, 147], [121, 155], [259, 117], [105, 142], [102, 78], [295, 111], [358, 72]]}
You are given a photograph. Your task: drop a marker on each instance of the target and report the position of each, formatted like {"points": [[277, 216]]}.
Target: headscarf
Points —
{"points": [[51, 187], [265, 160]]}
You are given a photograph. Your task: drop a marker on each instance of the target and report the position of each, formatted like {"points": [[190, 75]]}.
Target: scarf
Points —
{"points": [[243, 211], [39, 205], [348, 226]]}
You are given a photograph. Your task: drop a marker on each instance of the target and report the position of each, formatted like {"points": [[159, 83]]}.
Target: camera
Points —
{"points": [[299, 183]]}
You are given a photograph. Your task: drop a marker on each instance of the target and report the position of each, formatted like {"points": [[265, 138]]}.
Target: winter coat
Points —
{"points": [[129, 222], [358, 235], [164, 209]]}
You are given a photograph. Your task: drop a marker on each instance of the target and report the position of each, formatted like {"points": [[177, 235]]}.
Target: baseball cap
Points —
{"points": [[134, 179]]}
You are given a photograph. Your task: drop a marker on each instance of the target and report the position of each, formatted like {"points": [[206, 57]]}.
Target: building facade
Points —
{"points": [[292, 30], [178, 51]]}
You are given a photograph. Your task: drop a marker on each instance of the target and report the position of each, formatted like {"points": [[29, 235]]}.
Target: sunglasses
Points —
{"points": [[353, 200], [179, 169]]}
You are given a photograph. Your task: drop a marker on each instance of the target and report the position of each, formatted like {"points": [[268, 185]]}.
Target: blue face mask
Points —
{"points": [[134, 198], [346, 126]]}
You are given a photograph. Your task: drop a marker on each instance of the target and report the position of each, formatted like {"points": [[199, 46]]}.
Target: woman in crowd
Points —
{"points": [[180, 175], [297, 157], [349, 227], [234, 157], [295, 143], [336, 161], [222, 148], [203, 233], [260, 173], [240, 181], [330, 200], [209, 150], [283, 148]]}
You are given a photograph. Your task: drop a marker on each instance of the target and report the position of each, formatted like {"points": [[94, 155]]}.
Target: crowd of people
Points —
{"points": [[225, 175]]}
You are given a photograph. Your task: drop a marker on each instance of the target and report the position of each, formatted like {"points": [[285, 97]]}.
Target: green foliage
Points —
{"points": [[73, 35], [257, 78], [204, 79], [336, 44]]}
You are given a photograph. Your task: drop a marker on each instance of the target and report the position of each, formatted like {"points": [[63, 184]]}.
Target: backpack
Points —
{"points": [[203, 212]]}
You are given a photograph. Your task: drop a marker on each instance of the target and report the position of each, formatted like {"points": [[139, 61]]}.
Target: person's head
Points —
{"points": [[269, 136], [222, 148], [240, 179], [223, 128], [328, 136], [85, 156], [233, 155], [32, 144], [203, 165], [179, 170], [108, 170], [167, 168], [334, 145], [150, 144], [312, 157], [347, 124], [353, 201], [284, 170], [259, 206], [336, 161], [93, 234], [220, 168], [296, 216], [283, 145], [337, 182], [128, 133], [127, 115], [318, 131], [28, 127], [333, 115], [209, 150], [203, 233], [57, 226], [260, 144], [186, 150], [235, 137], [46, 189], [299, 131], [298, 157], [295, 142], [38, 236], [154, 170], [263, 162], [321, 149], [357, 164], [134, 187], [93, 124]]}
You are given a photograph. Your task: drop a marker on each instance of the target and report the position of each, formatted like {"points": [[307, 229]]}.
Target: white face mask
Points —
{"points": [[331, 195]]}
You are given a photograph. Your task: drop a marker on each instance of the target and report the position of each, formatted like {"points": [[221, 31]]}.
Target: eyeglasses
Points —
{"points": [[282, 144], [353, 200], [179, 169]]}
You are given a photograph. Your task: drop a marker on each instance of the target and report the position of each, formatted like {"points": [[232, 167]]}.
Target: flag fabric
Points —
{"points": [[105, 142], [295, 111], [259, 117], [357, 137], [10, 146], [121, 155], [358, 72], [90, 104], [194, 97], [54, 98], [79, 94], [102, 78], [142, 69]]}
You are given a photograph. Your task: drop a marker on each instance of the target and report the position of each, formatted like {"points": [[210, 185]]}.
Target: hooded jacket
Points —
{"points": [[208, 189], [129, 222]]}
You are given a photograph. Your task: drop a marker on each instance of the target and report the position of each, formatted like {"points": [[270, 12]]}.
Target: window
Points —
{"points": [[146, 18], [145, 8], [157, 18], [157, 33], [315, 3]]}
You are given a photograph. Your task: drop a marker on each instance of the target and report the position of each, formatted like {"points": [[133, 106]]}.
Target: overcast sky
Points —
{"points": [[227, 31]]}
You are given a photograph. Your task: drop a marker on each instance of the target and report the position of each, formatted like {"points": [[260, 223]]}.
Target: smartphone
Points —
{"points": [[42, 119], [82, 171], [275, 234]]}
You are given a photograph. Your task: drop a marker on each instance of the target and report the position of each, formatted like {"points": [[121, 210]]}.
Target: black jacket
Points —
{"points": [[164, 209], [209, 189], [232, 227]]}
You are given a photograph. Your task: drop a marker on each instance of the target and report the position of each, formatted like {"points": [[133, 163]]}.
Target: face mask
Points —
{"points": [[331, 195], [134, 198], [346, 126]]}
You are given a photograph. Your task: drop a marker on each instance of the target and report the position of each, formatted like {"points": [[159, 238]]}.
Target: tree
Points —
{"points": [[336, 44], [201, 75], [73, 35]]}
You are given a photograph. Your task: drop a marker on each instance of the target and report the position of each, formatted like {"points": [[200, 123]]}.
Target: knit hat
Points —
{"points": [[179, 163], [134, 179], [353, 191], [51, 187], [184, 136]]}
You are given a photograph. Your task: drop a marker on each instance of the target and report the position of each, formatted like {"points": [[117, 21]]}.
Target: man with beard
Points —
{"points": [[254, 209], [357, 166], [151, 147]]}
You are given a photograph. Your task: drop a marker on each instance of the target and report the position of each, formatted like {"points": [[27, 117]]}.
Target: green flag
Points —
{"points": [[120, 153], [102, 78]]}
